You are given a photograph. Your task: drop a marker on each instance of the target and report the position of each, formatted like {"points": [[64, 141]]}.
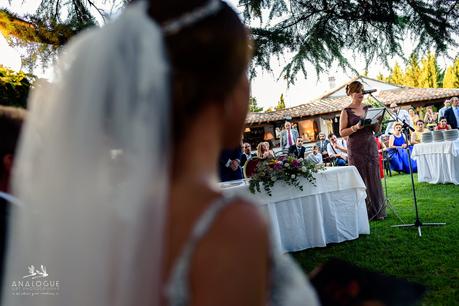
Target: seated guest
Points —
{"points": [[268, 147], [413, 115], [11, 120], [322, 144], [297, 150], [263, 151], [337, 149], [315, 156], [397, 139], [229, 165], [442, 125], [430, 118], [399, 157], [452, 113], [246, 153], [416, 136]]}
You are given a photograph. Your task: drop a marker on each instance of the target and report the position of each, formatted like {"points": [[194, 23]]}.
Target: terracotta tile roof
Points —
{"points": [[327, 105]]}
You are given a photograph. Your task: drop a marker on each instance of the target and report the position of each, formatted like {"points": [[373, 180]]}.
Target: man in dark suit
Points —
{"points": [[246, 153], [452, 113], [229, 165], [297, 150]]}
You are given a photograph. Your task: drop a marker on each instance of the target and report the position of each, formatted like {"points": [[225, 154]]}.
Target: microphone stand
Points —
{"points": [[406, 129]]}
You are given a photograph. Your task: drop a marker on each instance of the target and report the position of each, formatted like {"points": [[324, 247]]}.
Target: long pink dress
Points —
{"points": [[363, 154]]}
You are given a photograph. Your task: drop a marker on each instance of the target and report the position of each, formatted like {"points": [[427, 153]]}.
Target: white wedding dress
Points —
{"points": [[97, 222], [288, 284]]}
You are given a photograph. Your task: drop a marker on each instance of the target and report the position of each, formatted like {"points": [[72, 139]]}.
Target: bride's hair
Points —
{"points": [[207, 58]]}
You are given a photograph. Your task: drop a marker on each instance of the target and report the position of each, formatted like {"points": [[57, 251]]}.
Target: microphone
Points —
{"points": [[369, 91]]}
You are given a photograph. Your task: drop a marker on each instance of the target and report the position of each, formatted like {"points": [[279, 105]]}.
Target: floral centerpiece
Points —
{"points": [[288, 170]]}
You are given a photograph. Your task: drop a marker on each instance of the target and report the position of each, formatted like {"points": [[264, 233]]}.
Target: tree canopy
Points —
{"points": [[51, 25], [312, 32], [281, 103], [253, 105], [451, 78], [396, 75], [14, 87], [318, 32]]}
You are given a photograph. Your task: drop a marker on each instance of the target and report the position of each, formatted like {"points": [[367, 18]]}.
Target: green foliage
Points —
{"points": [[380, 76], [14, 87], [451, 78], [50, 26], [281, 103], [430, 260], [412, 72], [429, 74], [269, 110], [318, 32], [253, 106], [396, 76], [289, 171]]}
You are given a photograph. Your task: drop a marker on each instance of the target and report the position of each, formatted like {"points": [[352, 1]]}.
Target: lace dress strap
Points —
{"points": [[177, 288]]}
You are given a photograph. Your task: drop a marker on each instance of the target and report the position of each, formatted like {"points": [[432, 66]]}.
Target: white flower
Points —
{"points": [[300, 159], [273, 178], [286, 165], [293, 176], [303, 169]]}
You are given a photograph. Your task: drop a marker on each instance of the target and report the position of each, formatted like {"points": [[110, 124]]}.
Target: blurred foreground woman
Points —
{"points": [[147, 226]]}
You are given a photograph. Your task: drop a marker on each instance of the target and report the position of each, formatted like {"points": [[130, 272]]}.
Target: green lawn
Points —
{"points": [[432, 260]]}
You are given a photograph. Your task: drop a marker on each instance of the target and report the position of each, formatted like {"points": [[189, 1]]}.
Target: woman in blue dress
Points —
{"points": [[399, 157]]}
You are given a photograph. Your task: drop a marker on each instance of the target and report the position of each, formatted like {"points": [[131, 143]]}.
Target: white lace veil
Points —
{"points": [[92, 171]]}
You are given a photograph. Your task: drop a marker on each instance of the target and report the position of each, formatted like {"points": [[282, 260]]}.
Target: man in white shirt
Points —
{"points": [[337, 149], [403, 116], [315, 156]]}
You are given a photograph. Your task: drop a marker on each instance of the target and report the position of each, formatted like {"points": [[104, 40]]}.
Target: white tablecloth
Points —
{"points": [[332, 211], [438, 162]]}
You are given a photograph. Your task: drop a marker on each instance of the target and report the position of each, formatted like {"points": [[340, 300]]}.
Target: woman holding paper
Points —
{"points": [[362, 150]]}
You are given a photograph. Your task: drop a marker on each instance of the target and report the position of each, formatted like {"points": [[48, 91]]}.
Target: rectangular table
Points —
{"points": [[332, 211], [438, 162]]}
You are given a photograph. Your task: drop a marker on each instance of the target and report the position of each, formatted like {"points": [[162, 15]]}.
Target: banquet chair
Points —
{"points": [[250, 166]]}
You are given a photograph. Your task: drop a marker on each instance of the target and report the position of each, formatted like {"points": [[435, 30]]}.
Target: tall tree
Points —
{"points": [[396, 75], [281, 103], [451, 79], [315, 32], [52, 24], [253, 106], [318, 32], [380, 76], [14, 87], [412, 72], [429, 76]]}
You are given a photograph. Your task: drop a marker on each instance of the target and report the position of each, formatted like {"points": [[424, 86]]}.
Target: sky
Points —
{"points": [[266, 87]]}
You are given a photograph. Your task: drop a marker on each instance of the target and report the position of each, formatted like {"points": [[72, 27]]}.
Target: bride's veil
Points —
{"points": [[92, 172]]}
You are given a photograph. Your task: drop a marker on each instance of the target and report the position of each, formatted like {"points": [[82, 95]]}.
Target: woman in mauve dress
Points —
{"points": [[362, 150]]}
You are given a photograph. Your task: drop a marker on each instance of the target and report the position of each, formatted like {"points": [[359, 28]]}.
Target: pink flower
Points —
{"points": [[296, 163], [277, 166]]}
